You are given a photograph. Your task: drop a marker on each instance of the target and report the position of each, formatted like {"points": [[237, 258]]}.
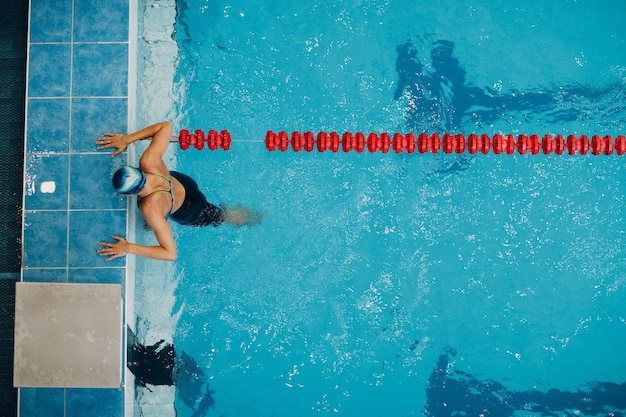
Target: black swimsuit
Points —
{"points": [[195, 210]]}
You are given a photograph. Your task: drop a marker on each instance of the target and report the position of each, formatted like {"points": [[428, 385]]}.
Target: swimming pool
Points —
{"points": [[384, 284]]}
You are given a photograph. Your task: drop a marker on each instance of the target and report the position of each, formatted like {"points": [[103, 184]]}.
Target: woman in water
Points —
{"points": [[162, 194]]}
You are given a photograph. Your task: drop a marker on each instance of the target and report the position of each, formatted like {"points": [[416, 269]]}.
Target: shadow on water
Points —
{"points": [[158, 364], [456, 393], [440, 98]]}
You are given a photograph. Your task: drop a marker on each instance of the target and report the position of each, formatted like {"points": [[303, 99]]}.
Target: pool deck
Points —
{"points": [[81, 83]]}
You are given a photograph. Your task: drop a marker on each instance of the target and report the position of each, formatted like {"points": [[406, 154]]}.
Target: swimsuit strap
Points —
{"points": [[162, 190], [156, 174]]}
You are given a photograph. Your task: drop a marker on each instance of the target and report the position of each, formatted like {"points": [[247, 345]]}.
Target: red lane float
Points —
{"points": [[197, 139], [448, 143]]}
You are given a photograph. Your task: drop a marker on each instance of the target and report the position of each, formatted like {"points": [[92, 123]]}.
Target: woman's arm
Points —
{"points": [[159, 132], [123, 247], [166, 251]]}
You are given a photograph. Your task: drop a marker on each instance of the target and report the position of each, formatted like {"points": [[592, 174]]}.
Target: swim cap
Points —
{"points": [[128, 180]]}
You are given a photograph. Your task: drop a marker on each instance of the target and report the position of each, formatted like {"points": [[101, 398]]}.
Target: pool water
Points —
{"points": [[384, 284]]}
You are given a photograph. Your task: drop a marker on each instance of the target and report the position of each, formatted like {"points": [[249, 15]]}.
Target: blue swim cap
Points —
{"points": [[128, 180]]}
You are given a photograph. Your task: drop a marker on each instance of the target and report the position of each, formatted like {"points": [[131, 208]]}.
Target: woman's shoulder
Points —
{"points": [[153, 165]]}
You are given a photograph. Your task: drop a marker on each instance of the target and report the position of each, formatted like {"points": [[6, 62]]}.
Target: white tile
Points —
{"points": [[68, 335]]}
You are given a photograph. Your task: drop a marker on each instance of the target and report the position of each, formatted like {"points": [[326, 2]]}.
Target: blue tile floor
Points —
{"points": [[78, 87]]}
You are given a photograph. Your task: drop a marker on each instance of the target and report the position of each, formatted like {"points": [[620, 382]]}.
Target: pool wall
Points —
{"points": [[80, 83]]}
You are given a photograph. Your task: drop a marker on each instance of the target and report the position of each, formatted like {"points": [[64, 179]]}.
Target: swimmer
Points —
{"points": [[161, 195]]}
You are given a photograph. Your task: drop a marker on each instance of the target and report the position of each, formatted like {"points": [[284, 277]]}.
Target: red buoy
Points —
{"points": [[372, 142], [608, 145], [347, 142], [199, 139], [584, 145], [572, 144], [183, 139], [212, 140], [597, 145], [547, 144], [385, 142], [498, 144], [283, 141], [360, 142], [472, 143], [227, 140], [410, 142], [334, 141], [322, 141], [309, 141], [522, 144], [296, 141], [485, 144], [270, 141], [448, 143], [534, 144], [620, 145], [460, 143], [559, 144], [435, 143]]}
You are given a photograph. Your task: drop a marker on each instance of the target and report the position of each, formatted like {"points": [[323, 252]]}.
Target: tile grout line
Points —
{"points": [[38, 268], [96, 152], [95, 209], [24, 161], [81, 97], [81, 43], [75, 210], [69, 142], [47, 153], [69, 170]]}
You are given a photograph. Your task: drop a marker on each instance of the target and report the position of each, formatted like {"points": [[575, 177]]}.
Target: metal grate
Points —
{"points": [[8, 394], [14, 24]]}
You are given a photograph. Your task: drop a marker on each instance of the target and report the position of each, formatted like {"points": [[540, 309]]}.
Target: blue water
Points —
{"points": [[398, 285]]}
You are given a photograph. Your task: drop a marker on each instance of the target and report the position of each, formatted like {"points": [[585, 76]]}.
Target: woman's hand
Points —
{"points": [[114, 250], [113, 140]]}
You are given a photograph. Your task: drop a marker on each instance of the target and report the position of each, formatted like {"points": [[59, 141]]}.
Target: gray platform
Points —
{"points": [[68, 335]]}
